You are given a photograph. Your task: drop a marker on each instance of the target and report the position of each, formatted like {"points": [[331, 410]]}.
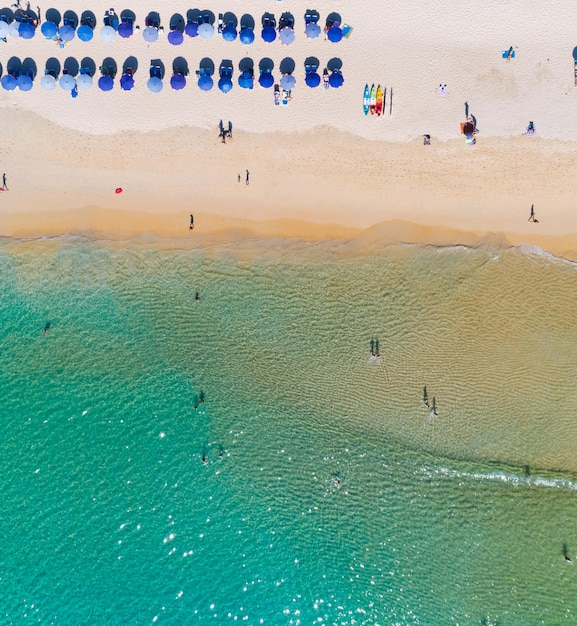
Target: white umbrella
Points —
{"points": [[107, 34], [288, 82], [205, 31], [150, 34], [4, 29], [48, 82], [67, 82], [287, 35], [84, 81], [14, 29]]}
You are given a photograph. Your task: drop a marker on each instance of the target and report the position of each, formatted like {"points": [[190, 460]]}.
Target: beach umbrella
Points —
{"points": [[245, 80], [66, 33], [312, 30], [67, 82], [229, 32], [14, 29], [107, 34], [336, 79], [268, 34], [150, 34], [246, 36], [9, 82], [24, 82], [205, 31], [287, 35], [335, 34], [205, 82], [225, 84], [177, 81], [48, 29], [191, 29], [48, 82], [154, 84], [126, 82], [85, 33], [266, 80], [84, 81], [288, 82], [175, 37], [26, 30], [125, 29], [4, 29], [105, 83], [312, 79]]}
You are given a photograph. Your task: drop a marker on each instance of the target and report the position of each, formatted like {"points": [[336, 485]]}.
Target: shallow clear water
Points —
{"points": [[330, 493]]}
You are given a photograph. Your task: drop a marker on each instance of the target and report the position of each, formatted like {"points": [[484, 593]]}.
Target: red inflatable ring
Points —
{"points": [[119, 190]]}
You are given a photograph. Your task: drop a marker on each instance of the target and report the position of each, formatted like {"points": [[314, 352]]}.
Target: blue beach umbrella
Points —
{"points": [[288, 82], [312, 79], [105, 83], [175, 37], [49, 29], [150, 34], [245, 80], [154, 84], [335, 34], [26, 30], [287, 36], [229, 32], [67, 82], [9, 82], [225, 84], [66, 33], [191, 29], [177, 81], [266, 80], [205, 82], [312, 30], [205, 31], [126, 82], [48, 82], [336, 79], [125, 29], [24, 82], [246, 36], [85, 33], [268, 34]]}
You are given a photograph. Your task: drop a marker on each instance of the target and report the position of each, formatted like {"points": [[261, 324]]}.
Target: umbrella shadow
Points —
{"points": [[180, 66], [333, 18], [87, 18], [157, 66], [29, 67], [575, 54], [153, 19], [287, 20], [128, 16], [246, 65], [71, 66], [14, 66], [53, 15], [247, 21], [177, 22], [131, 63], [109, 67], [206, 66], [268, 19], [287, 65], [266, 65], [230, 19], [312, 64], [208, 17], [7, 15], [88, 66], [53, 67], [70, 18], [194, 15], [335, 64], [1, 70]]}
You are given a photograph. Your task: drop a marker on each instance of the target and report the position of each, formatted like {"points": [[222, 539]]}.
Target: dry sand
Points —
{"points": [[319, 168]]}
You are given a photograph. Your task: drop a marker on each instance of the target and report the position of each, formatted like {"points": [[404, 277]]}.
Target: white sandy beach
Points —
{"points": [[318, 160]]}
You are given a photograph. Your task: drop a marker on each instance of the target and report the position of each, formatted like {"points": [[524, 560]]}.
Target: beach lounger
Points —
{"points": [[156, 71], [285, 97], [68, 21], [277, 95]]}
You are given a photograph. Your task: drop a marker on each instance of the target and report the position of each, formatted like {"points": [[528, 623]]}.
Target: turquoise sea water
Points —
{"points": [[329, 493]]}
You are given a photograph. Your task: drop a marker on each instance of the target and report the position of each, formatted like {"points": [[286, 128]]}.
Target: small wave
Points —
{"points": [[510, 479]]}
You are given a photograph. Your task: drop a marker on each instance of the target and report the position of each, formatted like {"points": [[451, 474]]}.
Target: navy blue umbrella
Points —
{"points": [[245, 80], [9, 82], [336, 79], [191, 29], [125, 29], [177, 81], [26, 30], [126, 82], [335, 34], [266, 80], [105, 83], [49, 29], [246, 36], [85, 33], [205, 82], [268, 34], [229, 32], [225, 84], [312, 79]]}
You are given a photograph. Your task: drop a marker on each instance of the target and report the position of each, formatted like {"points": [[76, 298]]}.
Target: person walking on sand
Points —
{"points": [[191, 222], [4, 186], [510, 54], [239, 178], [230, 129], [247, 175], [532, 216]]}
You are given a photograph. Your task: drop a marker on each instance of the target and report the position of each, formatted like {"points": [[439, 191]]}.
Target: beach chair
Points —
{"points": [[51, 72], [206, 17], [111, 20], [68, 21], [85, 70], [285, 98], [156, 71], [277, 95]]}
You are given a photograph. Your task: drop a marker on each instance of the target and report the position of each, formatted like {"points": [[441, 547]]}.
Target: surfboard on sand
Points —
{"points": [[373, 101], [367, 100], [379, 102]]}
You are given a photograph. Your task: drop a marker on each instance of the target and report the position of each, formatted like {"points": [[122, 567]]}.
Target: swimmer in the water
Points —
{"points": [[372, 347], [425, 397], [220, 452], [46, 327], [377, 347], [196, 297], [201, 397], [434, 406], [204, 459]]}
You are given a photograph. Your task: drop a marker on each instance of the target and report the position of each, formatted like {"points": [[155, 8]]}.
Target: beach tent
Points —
{"points": [[48, 29], [154, 84], [48, 82], [335, 34], [66, 33], [312, 79], [24, 82], [26, 30], [175, 37], [107, 34], [67, 82], [84, 81], [268, 34], [125, 29], [312, 30], [85, 33], [266, 79], [105, 83], [126, 82], [246, 36], [205, 31], [177, 81], [205, 82], [288, 82], [336, 80], [246, 80], [9, 82], [287, 35]]}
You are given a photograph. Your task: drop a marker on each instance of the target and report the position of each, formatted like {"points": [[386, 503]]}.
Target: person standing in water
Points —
{"points": [[425, 397], [372, 347], [377, 348]]}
